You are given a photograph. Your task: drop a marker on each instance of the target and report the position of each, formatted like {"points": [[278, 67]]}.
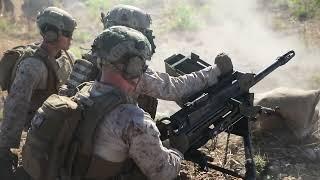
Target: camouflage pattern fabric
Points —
{"points": [[161, 85], [129, 133], [130, 16], [166, 87], [126, 15], [56, 17], [153, 86], [31, 75], [115, 42]]}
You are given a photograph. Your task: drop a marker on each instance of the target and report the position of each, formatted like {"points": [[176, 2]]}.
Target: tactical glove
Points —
{"points": [[8, 162], [224, 63], [180, 143]]}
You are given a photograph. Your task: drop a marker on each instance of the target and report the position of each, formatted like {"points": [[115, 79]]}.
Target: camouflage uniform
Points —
{"points": [[30, 86], [164, 86], [22, 102], [140, 20], [135, 135], [36, 77], [123, 15], [129, 133]]}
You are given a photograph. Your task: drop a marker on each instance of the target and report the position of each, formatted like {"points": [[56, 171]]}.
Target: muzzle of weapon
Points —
{"points": [[279, 62]]}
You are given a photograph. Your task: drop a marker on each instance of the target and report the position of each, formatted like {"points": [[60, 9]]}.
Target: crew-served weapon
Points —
{"points": [[224, 107]]}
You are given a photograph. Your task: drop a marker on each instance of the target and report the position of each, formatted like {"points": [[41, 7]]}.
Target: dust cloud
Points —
{"points": [[242, 29]]}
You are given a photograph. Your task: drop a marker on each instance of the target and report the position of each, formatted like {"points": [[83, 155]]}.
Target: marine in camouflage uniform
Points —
{"points": [[135, 18], [127, 135], [37, 77], [153, 84], [123, 15], [127, 143]]}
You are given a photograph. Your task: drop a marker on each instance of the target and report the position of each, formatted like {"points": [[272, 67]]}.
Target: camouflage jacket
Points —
{"points": [[31, 78], [166, 87], [128, 132]]}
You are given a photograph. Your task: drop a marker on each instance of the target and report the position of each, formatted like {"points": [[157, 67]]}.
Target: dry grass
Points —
{"points": [[2, 95], [275, 159]]}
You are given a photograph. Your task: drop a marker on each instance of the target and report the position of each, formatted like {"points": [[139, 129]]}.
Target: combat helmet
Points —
{"points": [[124, 45], [130, 16], [58, 18]]}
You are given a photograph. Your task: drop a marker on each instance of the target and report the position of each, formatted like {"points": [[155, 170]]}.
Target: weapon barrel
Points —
{"points": [[279, 62]]}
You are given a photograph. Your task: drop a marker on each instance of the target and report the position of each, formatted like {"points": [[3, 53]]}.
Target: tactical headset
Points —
{"points": [[133, 67], [51, 34]]}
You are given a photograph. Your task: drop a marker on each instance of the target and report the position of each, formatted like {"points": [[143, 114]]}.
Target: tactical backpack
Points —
{"points": [[10, 60], [61, 132]]}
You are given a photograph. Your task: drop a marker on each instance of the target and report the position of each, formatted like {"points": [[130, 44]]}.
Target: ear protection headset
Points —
{"points": [[50, 35], [134, 67]]}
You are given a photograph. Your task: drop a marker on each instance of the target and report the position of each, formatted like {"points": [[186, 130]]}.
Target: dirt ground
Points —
{"points": [[276, 157]]}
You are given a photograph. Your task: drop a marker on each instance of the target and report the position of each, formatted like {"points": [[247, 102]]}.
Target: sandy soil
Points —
{"points": [[284, 160]]}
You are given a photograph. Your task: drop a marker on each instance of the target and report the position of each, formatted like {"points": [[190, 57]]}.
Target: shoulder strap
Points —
{"points": [[52, 71], [94, 114], [25, 52], [91, 117], [69, 58]]}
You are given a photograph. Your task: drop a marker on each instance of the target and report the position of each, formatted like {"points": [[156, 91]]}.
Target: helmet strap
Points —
{"points": [[150, 37]]}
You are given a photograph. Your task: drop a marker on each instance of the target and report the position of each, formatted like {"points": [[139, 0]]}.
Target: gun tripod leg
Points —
{"points": [[202, 159], [250, 165]]}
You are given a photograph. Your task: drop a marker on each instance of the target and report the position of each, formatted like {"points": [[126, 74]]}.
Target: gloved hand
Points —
{"points": [[224, 63], [180, 143], [8, 162]]}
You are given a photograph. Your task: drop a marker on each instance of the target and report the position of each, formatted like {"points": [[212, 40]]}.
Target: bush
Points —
{"points": [[97, 6], [261, 163], [82, 36], [76, 51], [182, 16], [5, 25], [10, 28], [299, 9], [138, 3], [304, 9]]}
